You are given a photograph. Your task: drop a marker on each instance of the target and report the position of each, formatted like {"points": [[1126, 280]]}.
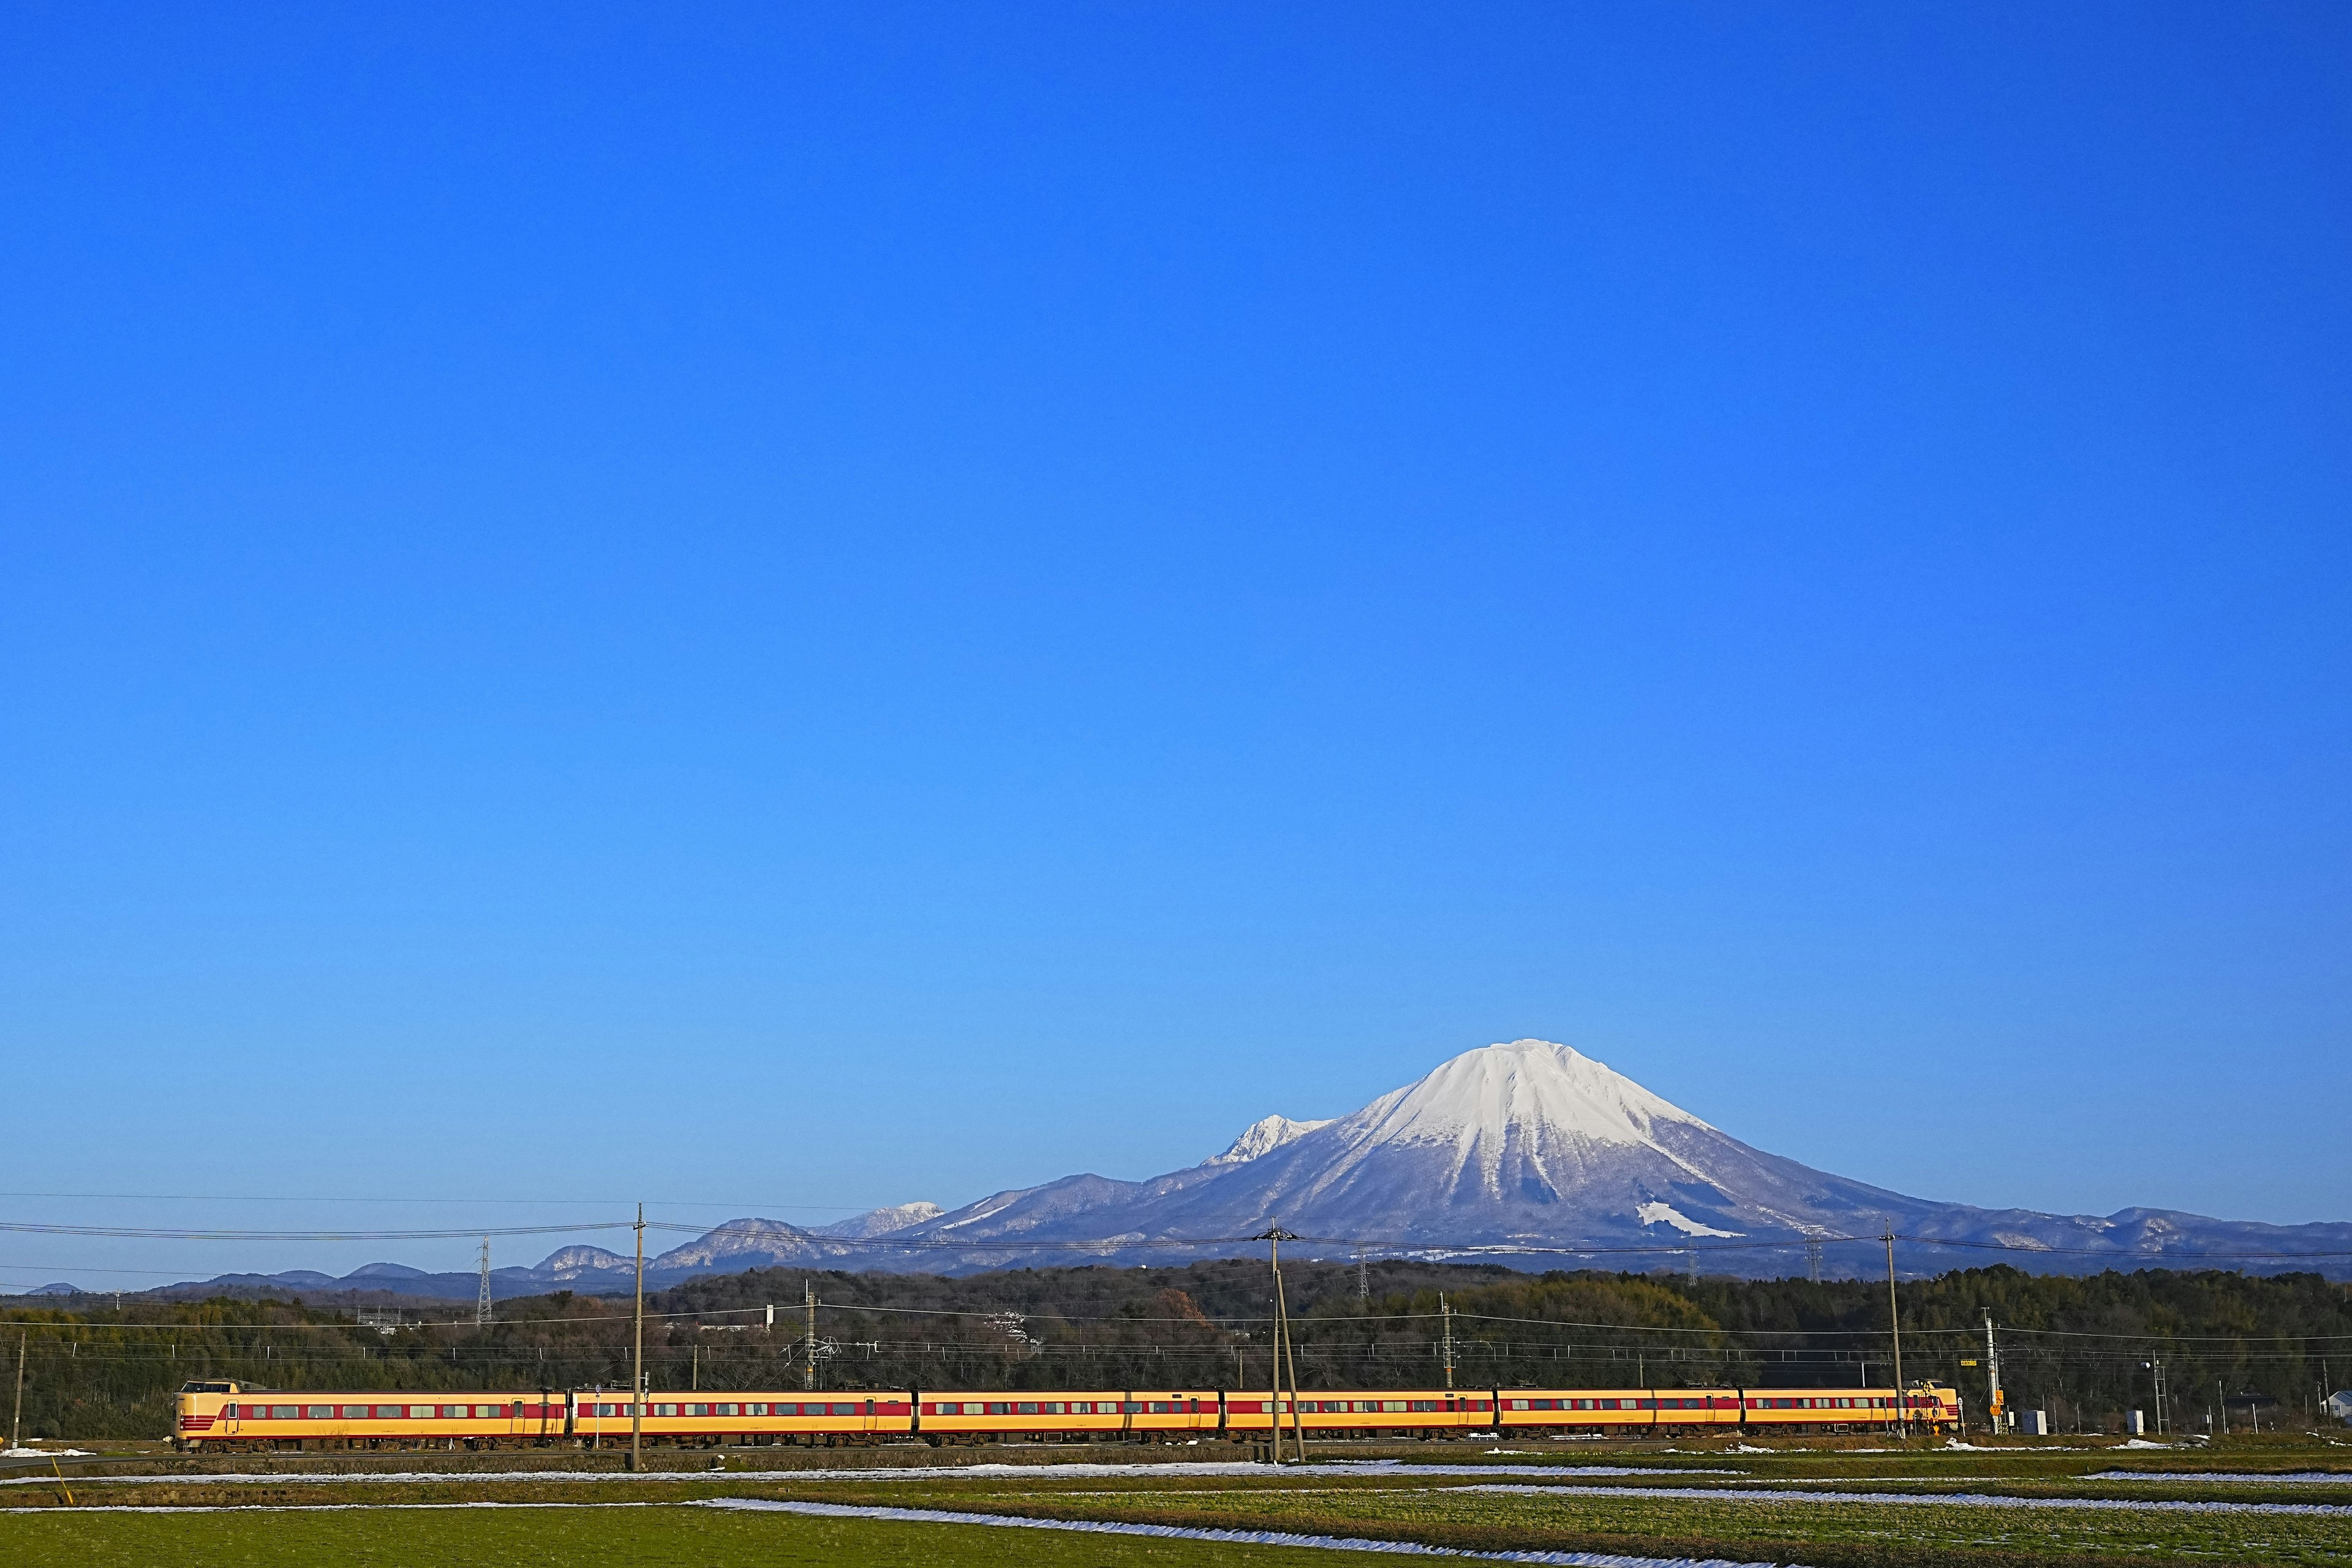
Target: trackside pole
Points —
{"points": [[637, 1395]]}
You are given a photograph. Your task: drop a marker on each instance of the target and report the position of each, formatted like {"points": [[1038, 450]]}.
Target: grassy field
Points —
{"points": [[622, 1537], [653, 1520]]}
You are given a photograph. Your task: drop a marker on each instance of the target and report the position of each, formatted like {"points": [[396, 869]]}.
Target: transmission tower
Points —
{"points": [[482, 1300], [1814, 1257]]}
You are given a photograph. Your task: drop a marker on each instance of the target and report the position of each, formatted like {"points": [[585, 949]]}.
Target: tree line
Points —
{"points": [[2080, 1347]]}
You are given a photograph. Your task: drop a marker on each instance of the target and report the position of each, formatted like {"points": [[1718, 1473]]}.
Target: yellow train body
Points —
{"points": [[229, 1414]]}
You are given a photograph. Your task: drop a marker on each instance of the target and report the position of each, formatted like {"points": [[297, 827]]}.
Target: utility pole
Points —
{"points": [[1895, 1324], [1363, 1280], [16, 1422], [482, 1298], [808, 1343], [1992, 1377], [1274, 1236], [637, 1392], [1446, 1312]]}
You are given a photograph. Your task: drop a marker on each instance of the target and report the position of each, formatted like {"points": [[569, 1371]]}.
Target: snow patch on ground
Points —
{"points": [[1226, 1537]]}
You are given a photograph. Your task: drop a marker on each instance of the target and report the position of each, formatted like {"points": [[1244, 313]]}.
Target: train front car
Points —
{"points": [[234, 1416], [1372, 1412], [197, 1417]]}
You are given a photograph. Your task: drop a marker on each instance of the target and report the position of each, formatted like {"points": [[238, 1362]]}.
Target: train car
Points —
{"points": [[1625, 1411], [712, 1419], [1161, 1415], [227, 1415], [1929, 1405], [1334, 1413]]}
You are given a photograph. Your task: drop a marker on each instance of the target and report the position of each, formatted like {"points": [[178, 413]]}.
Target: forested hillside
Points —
{"points": [[2077, 1346]]}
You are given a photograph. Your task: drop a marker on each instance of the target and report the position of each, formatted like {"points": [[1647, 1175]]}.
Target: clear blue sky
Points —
{"points": [[783, 608]]}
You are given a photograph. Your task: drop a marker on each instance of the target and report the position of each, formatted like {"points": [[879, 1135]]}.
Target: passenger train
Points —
{"points": [[226, 1415]]}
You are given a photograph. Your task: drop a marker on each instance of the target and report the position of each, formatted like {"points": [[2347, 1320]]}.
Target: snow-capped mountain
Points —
{"points": [[879, 1222], [1526, 1153], [1263, 1136], [1532, 1148]]}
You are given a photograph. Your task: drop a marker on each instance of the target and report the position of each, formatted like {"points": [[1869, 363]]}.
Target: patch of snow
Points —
{"points": [[1262, 1137], [1666, 1213], [1224, 1536], [879, 1222], [44, 1453]]}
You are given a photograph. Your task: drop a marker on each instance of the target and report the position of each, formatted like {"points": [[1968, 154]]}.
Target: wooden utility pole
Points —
{"points": [[638, 1393], [1274, 1236], [1895, 1323], [808, 1342], [16, 1422], [1447, 1312]]}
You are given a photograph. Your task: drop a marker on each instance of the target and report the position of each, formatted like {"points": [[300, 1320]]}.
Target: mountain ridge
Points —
{"points": [[1524, 1151]]}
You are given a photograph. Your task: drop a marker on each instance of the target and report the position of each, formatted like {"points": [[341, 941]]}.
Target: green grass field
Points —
{"points": [[660, 1536], [608, 1518]]}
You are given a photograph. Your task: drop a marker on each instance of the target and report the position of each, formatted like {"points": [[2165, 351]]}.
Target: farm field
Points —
{"points": [[2278, 1502]]}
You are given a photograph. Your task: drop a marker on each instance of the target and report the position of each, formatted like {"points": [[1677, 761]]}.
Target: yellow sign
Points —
{"points": [[1968, 1362]]}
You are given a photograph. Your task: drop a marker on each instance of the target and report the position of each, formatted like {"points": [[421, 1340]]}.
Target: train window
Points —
{"points": [[665, 1409], [321, 1413], [355, 1412], [725, 1410], [1159, 1407], [755, 1409], [1029, 1409], [845, 1410], [1052, 1407], [282, 1412], [698, 1410], [421, 1412]]}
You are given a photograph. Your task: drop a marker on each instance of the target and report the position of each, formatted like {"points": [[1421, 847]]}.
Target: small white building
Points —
{"points": [[2339, 1404]]}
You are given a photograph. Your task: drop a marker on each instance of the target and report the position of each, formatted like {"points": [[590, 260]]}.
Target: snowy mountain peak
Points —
{"points": [[1263, 1136], [879, 1222], [1528, 1092]]}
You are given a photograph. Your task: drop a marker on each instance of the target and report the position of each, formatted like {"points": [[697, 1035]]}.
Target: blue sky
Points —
{"points": [[780, 610]]}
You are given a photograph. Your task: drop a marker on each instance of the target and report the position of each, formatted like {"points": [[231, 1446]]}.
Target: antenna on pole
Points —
{"points": [[482, 1300]]}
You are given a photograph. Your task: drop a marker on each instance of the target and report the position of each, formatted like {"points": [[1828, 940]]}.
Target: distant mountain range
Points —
{"points": [[1527, 1152]]}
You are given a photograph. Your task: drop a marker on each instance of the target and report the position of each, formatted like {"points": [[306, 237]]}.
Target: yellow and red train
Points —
{"points": [[233, 1416]]}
